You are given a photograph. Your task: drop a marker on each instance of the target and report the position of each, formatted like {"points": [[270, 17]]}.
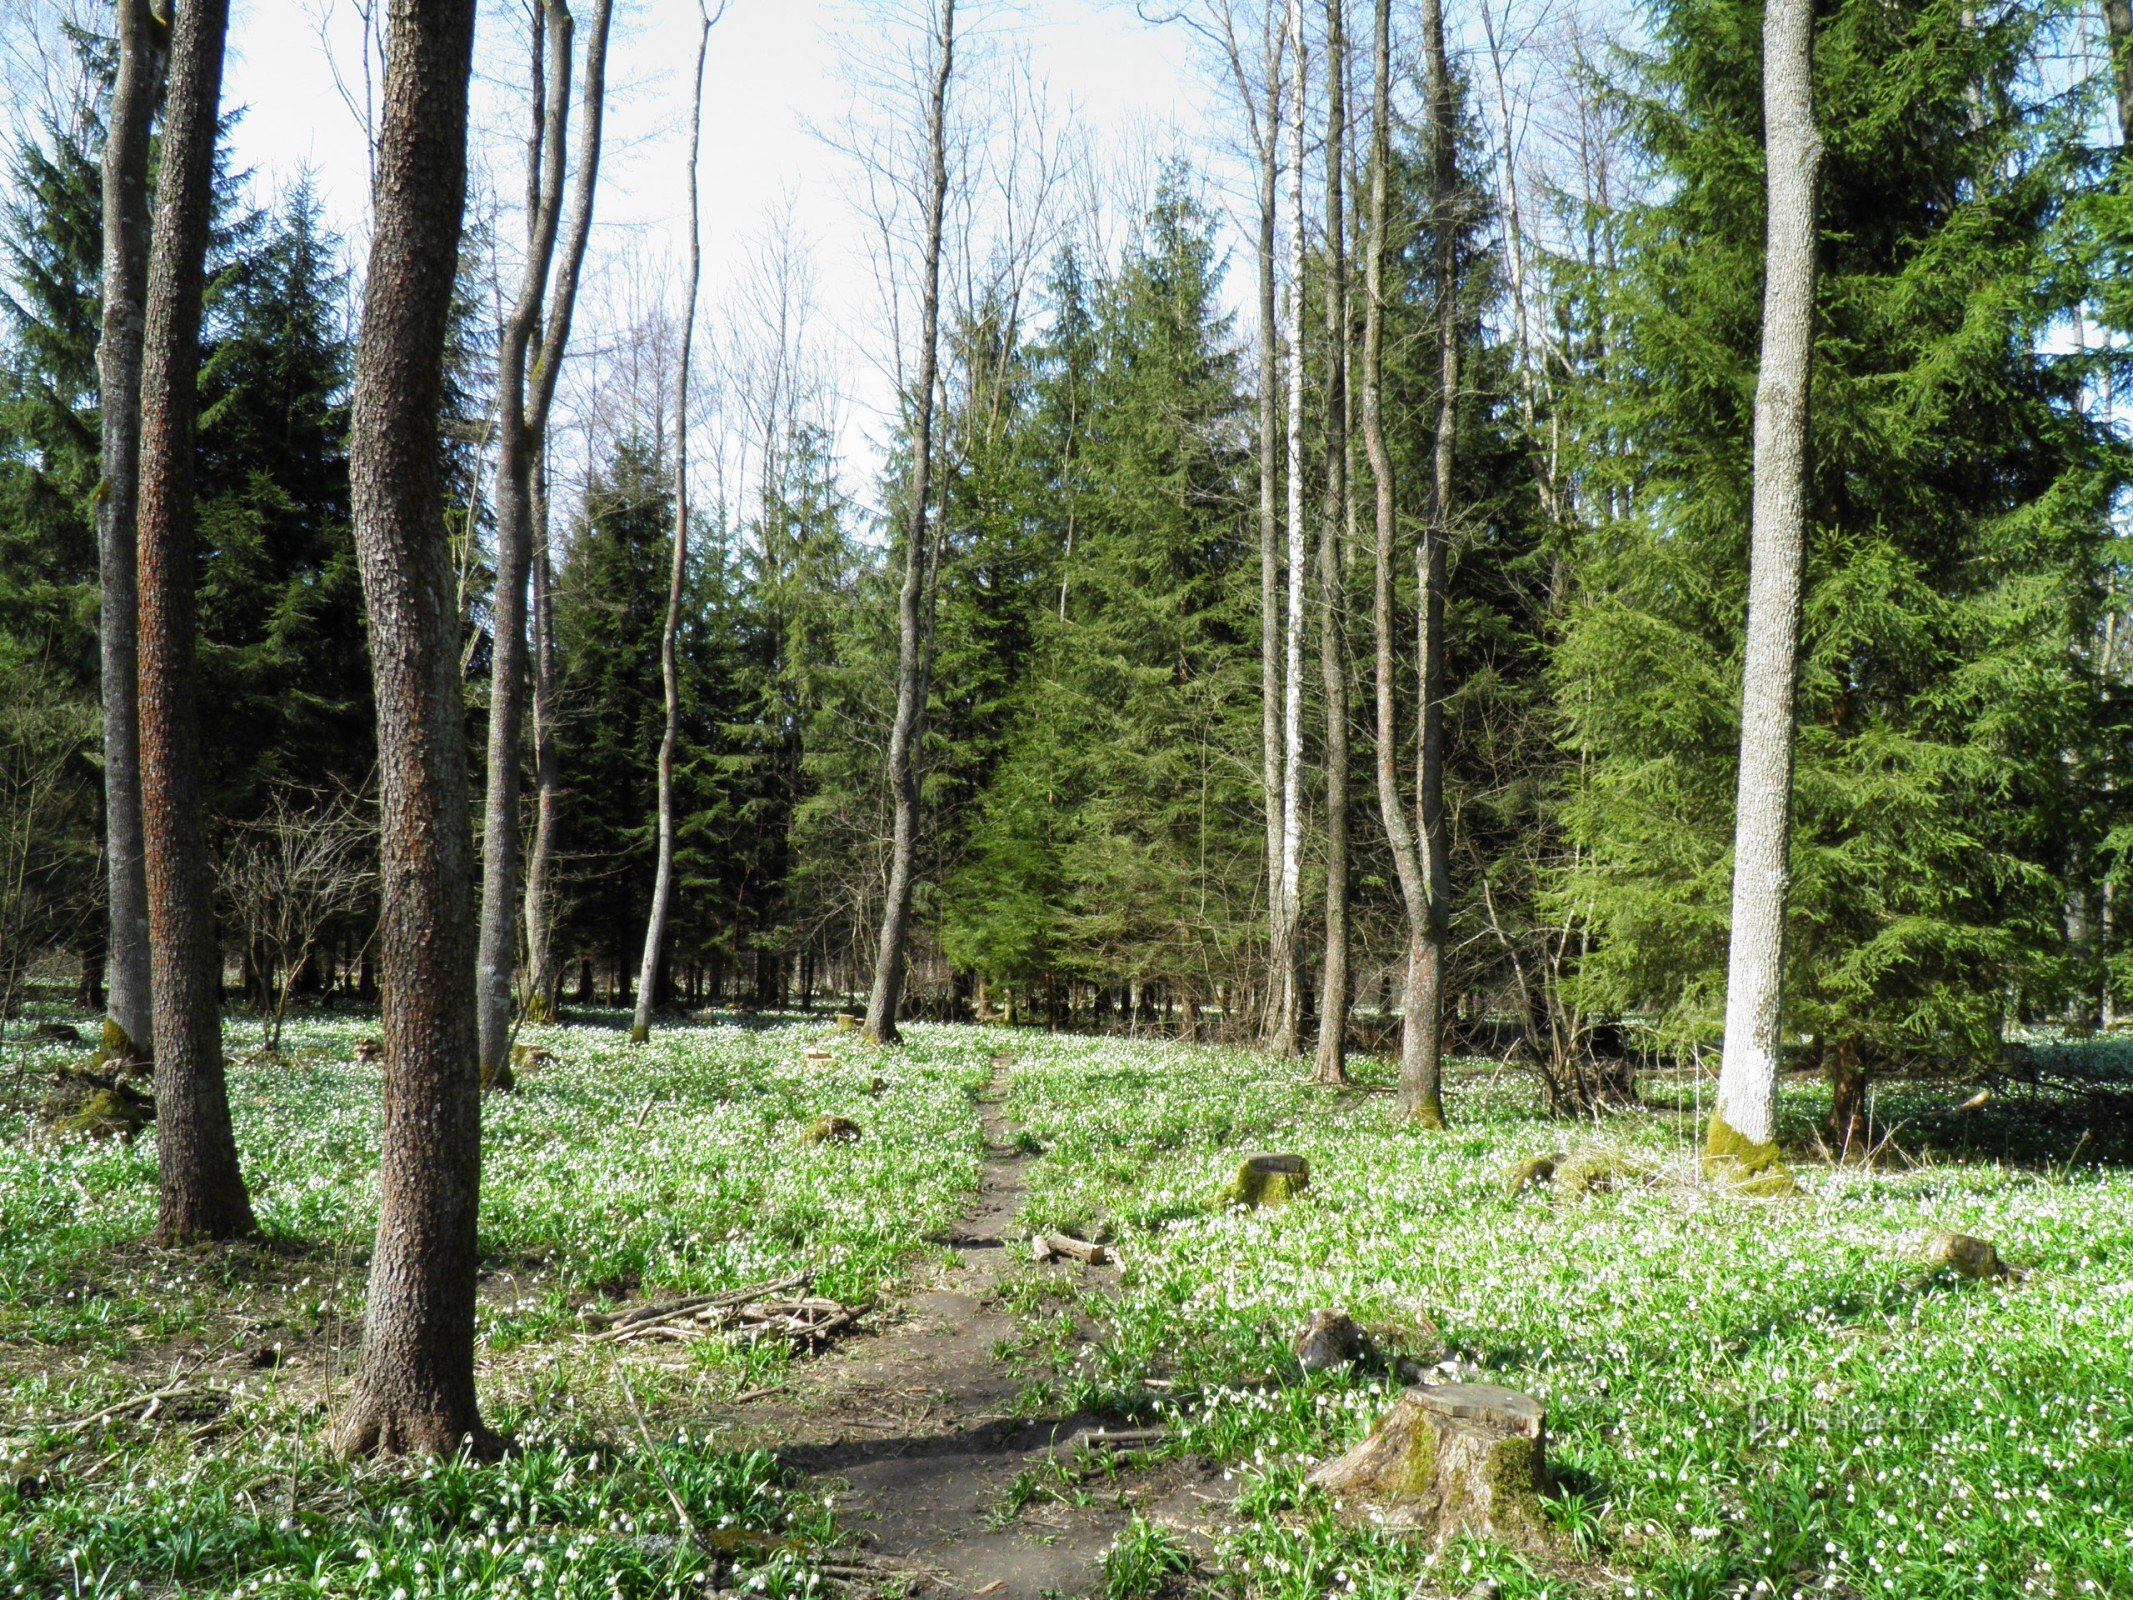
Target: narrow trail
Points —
{"points": [[917, 1422]]}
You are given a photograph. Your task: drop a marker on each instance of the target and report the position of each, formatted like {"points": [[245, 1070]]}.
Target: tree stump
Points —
{"points": [[830, 1130], [847, 1022], [1970, 1257], [1267, 1180], [1448, 1459], [818, 1056]]}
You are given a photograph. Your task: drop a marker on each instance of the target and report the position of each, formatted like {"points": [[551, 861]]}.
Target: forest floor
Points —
{"points": [[1746, 1397]]}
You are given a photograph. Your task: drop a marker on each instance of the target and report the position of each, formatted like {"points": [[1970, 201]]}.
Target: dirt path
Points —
{"points": [[916, 1421]]}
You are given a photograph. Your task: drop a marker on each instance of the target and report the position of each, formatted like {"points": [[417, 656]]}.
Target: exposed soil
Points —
{"points": [[916, 1426]]}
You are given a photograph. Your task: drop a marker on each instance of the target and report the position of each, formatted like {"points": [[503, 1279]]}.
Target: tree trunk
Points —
{"points": [[415, 1388], [523, 401], [914, 602], [2118, 28], [128, 1021], [1270, 621], [1417, 1056], [202, 1188], [1332, 1064], [1286, 1017], [544, 974], [669, 674], [1743, 1121], [1421, 1094]]}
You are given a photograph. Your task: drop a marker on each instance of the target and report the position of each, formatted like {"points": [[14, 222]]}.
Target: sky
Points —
{"points": [[778, 70]]}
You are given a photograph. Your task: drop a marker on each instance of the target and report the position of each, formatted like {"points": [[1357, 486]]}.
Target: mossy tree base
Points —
{"points": [[1753, 1168], [1449, 1459], [117, 1047]]}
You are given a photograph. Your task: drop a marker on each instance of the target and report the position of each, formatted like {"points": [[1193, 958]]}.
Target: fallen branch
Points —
{"points": [[630, 1323], [153, 1400], [1045, 1246]]}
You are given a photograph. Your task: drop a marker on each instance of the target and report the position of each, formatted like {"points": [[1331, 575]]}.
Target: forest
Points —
{"points": [[1375, 843]]}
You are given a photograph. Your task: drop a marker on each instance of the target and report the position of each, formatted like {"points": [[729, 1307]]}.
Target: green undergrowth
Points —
{"points": [[1746, 1395]]}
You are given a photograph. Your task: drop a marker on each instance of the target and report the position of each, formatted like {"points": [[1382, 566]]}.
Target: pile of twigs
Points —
{"points": [[779, 1309]]}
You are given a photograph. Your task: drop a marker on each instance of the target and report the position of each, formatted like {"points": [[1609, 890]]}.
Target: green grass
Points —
{"points": [[1745, 1397]]}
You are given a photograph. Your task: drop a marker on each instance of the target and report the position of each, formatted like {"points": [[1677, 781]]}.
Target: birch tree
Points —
{"points": [[529, 356], [670, 683], [1743, 1129], [1286, 1011]]}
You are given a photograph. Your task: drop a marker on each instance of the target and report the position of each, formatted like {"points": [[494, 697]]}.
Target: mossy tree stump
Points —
{"points": [[1267, 1180], [1448, 1459]]}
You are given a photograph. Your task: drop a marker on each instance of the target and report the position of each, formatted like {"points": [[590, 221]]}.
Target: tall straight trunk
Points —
{"points": [[1421, 1092], [669, 671], [128, 1019], [1287, 1017], [915, 600], [1334, 998], [543, 973], [1421, 1095], [2118, 31], [1280, 937], [523, 400], [1744, 1118], [415, 1388], [202, 1189]]}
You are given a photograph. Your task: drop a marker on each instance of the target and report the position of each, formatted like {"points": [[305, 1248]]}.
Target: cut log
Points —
{"points": [[1082, 1250], [818, 1056], [1267, 1180], [1450, 1459]]}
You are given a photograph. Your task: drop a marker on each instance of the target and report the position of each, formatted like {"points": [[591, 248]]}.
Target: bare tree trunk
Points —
{"points": [[1280, 937], [1288, 998], [523, 402], [914, 602], [129, 1019], [543, 974], [415, 1388], [1334, 998], [669, 668], [202, 1188], [1421, 1094], [1415, 1054], [2118, 30], [1743, 1121]]}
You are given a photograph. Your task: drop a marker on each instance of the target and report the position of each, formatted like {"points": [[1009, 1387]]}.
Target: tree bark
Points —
{"points": [[669, 673], [129, 1018], [1286, 1016], [2118, 29], [202, 1188], [415, 1388], [915, 599], [523, 400], [544, 974], [1417, 1062], [1274, 777], [1743, 1121], [1421, 1091], [1334, 997]]}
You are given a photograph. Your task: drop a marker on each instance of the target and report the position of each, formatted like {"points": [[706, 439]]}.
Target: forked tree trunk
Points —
{"points": [[202, 1188], [669, 668], [1743, 1121], [523, 400], [1421, 1092], [544, 974], [1334, 998], [414, 1390], [128, 1019], [1285, 979], [915, 599]]}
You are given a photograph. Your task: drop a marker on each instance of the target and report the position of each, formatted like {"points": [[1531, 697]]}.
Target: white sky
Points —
{"points": [[775, 70]]}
